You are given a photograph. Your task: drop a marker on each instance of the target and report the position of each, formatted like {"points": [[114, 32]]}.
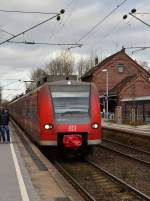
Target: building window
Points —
{"points": [[120, 68]]}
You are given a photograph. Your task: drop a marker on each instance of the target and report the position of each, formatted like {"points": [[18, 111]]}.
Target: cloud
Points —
{"points": [[17, 60]]}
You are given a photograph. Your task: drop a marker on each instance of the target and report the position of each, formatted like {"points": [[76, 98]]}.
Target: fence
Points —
{"points": [[129, 118], [137, 119]]}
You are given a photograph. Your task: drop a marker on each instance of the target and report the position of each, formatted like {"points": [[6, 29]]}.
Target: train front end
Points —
{"points": [[75, 112]]}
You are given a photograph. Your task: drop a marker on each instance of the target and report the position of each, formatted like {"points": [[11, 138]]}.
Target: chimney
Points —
{"points": [[123, 49], [96, 61]]}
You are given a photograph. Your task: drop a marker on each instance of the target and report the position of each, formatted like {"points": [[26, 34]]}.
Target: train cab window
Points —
{"points": [[71, 103]]}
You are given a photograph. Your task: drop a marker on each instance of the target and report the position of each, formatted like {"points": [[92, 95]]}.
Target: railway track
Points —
{"points": [[127, 151], [98, 184], [32, 155], [100, 187], [127, 146], [130, 150], [142, 141], [133, 171]]}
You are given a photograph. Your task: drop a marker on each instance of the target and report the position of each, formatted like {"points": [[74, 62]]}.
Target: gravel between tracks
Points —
{"points": [[133, 173]]}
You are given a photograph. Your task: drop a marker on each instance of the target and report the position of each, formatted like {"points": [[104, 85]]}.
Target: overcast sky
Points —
{"points": [[17, 61]]}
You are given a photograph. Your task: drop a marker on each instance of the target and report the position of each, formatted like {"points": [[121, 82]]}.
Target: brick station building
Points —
{"points": [[128, 86]]}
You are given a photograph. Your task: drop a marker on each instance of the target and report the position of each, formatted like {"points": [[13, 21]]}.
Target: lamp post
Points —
{"points": [[105, 70]]}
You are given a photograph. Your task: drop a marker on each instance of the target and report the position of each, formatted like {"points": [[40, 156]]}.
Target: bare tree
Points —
{"points": [[145, 65], [63, 64], [38, 74], [85, 65]]}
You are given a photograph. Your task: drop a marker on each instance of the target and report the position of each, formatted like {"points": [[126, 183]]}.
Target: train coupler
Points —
{"points": [[72, 141]]}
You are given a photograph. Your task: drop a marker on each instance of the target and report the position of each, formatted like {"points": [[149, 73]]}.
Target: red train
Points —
{"points": [[62, 113]]}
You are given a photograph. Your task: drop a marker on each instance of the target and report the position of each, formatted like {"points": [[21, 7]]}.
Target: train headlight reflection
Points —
{"points": [[95, 125], [48, 126]]}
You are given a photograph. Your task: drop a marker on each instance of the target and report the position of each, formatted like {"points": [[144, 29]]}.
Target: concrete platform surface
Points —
{"points": [[141, 129], [15, 183], [47, 183]]}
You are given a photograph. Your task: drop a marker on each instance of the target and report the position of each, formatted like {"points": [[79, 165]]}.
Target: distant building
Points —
{"points": [[128, 86]]}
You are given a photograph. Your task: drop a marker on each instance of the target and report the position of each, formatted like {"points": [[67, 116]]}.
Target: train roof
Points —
{"points": [[68, 82], [55, 83]]}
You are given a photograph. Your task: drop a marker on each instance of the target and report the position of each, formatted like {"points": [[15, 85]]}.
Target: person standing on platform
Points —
{"points": [[5, 128], [2, 134]]}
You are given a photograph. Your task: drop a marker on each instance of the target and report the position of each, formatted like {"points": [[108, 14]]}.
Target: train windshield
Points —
{"points": [[71, 103]]}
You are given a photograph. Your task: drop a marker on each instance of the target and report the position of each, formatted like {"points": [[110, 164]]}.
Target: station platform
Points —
{"points": [[22, 181], [14, 178], [141, 129]]}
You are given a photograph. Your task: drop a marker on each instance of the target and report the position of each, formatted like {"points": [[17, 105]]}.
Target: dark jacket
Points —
{"points": [[4, 118], [0, 117]]}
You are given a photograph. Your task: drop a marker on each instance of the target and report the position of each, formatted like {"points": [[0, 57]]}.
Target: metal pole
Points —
{"points": [[0, 96], [139, 19], [105, 70], [107, 94]]}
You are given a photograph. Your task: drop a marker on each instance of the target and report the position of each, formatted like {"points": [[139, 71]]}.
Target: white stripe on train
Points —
{"points": [[54, 143]]}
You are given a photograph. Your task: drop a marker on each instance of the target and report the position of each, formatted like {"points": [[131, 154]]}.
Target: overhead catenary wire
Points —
{"points": [[10, 83], [10, 79], [73, 47], [42, 43], [139, 19], [29, 29], [117, 29], [137, 48], [27, 12], [69, 13], [113, 29], [55, 30], [102, 20], [12, 89], [142, 13], [3, 30], [69, 4]]}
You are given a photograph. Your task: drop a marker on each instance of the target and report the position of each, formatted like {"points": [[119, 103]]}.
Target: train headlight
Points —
{"points": [[95, 125], [48, 126]]}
